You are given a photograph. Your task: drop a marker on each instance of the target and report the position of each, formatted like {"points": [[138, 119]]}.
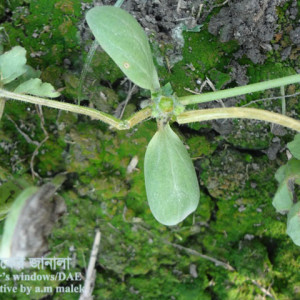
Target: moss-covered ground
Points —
{"points": [[233, 247]]}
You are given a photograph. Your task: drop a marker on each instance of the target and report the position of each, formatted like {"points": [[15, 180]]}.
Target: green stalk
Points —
{"points": [[283, 102], [119, 3], [241, 90], [138, 117], [237, 112], [2, 105], [93, 113], [87, 64]]}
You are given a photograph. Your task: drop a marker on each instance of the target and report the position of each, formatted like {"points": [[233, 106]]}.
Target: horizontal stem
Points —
{"points": [[237, 91], [237, 112], [139, 117], [93, 113]]}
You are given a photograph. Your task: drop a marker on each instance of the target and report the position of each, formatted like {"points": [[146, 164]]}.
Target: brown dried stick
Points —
{"points": [[91, 272]]}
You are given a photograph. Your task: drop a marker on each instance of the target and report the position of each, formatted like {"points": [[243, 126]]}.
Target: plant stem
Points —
{"points": [[63, 106], [237, 112], [283, 103], [87, 64], [2, 105], [119, 3], [255, 87], [91, 112], [138, 117], [90, 276]]}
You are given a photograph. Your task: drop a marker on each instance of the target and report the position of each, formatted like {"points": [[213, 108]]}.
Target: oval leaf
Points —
{"points": [[171, 182], [38, 88], [30, 220], [294, 146], [12, 221], [121, 36], [293, 224], [12, 64], [283, 199]]}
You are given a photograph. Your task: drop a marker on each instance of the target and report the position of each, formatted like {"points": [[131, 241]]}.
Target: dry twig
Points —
{"points": [[264, 290], [36, 151], [121, 107], [91, 272], [30, 141], [193, 252], [196, 253]]}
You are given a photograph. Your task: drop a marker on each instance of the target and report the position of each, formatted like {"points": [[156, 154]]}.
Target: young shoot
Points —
{"points": [[171, 183]]}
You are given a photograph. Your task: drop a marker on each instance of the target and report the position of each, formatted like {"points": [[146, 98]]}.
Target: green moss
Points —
{"points": [[53, 74], [219, 79], [104, 68], [204, 209], [36, 286], [268, 70], [246, 134], [200, 146], [130, 109], [51, 157], [201, 53], [46, 29]]}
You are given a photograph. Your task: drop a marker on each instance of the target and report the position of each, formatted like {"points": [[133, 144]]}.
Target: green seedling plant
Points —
{"points": [[171, 183], [18, 77]]}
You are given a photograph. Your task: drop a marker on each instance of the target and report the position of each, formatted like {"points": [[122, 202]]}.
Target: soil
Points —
{"points": [[251, 22]]}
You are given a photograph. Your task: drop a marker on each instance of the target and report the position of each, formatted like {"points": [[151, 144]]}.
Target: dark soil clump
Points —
{"points": [[251, 22]]}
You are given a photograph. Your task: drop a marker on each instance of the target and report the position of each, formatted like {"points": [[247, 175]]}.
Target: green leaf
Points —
{"points": [[167, 90], [8, 192], [294, 146], [121, 36], [29, 74], [12, 221], [280, 173], [292, 171], [12, 64], [283, 199], [286, 175], [37, 87], [30, 220], [293, 224], [171, 182]]}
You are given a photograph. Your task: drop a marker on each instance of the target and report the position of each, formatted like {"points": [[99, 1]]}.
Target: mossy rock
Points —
{"points": [[200, 146], [85, 152], [249, 134], [51, 158], [224, 175]]}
